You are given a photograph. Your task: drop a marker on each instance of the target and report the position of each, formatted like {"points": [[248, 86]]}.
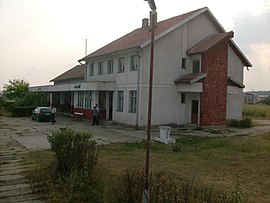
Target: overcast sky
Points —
{"points": [[41, 39]]}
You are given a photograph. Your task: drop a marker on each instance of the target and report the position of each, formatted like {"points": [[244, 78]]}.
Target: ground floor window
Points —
{"points": [[120, 100], [87, 98], [80, 100], [132, 101]]}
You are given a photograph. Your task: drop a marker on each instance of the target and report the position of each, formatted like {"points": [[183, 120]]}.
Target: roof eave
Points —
{"points": [[244, 59], [89, 57], [146, 43]]}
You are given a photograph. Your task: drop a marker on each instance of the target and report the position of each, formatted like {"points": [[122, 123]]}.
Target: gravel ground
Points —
{"points": [[33, 135]]}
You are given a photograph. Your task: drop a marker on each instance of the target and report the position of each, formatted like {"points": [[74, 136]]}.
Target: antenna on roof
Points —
{"points": [[85, 45]]}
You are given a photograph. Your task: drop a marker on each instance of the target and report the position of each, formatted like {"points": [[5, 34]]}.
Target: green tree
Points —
{"points": [[266, 100], [15, 89]]}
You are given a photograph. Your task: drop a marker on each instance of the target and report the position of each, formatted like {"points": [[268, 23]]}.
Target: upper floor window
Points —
{"points": [[133, 101], [91, 69], [183, 98], [134, 62], [100, 68], [196, 66], [110, 66], [121, 65], [184, 63], [120, 100]]}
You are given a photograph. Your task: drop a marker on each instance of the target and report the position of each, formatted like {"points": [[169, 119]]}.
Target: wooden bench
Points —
{"points": [[78, 115]]}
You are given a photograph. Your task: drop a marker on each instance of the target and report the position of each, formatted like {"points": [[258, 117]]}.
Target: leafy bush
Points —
{"points": [[74, 151], [233, 123], [254, 113], [21, 111], [244, 123], [72, 177], [266, 101], [130, 185]]}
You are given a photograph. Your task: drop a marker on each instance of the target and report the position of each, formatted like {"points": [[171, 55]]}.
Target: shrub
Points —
{"points": [[130, 185], [22, 111], [72, 177], [74, 151], [244, 123], [233, 123]]}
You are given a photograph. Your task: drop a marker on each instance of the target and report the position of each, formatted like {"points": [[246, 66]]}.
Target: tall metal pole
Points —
{"points": [[85, 45], [147, 158]]}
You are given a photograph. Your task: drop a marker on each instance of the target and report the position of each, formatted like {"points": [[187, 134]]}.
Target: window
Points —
{"points": [[91, 69], [183, 98], [80, 99], [196, 66], [132, 101], [134, 62], [184, 63], [100, 68], [110, 66], [120, 100], [121, 65], [87, 99]]}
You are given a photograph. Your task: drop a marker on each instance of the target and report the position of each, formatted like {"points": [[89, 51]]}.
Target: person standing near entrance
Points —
{"points": [[53, 114], [98, 112], [95, 117]]}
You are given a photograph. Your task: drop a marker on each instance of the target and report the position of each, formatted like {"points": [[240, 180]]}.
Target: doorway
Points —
{"points": [[195, 111], [110, 105]]}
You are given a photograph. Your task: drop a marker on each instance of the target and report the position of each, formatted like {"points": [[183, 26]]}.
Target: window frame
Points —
{"points": [[134, 62], [87, 100], [184, 63], [120, 101], [100, 68], [110, 66], [199, 65], [91, 69], [133, 101], [121, 65], [80, 99], [183, 98]]}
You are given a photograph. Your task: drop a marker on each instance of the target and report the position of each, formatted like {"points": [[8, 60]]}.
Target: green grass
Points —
{"points": [[209, 161], [220, 163], [256, 111]]}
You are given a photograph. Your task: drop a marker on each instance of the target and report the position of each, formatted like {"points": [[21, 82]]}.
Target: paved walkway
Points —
{"points": [[14, 186]]}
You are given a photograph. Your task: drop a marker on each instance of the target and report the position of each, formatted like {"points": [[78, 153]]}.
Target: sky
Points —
{"points": [[41, 39]]}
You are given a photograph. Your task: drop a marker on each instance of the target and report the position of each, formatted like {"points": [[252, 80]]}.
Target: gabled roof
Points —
{"points": [[141, 37], [190, 78], [73, 73], [209, 42]]}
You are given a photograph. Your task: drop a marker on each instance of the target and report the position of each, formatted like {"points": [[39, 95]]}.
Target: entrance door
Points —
{"points": [[194, 111], [110, 105]]}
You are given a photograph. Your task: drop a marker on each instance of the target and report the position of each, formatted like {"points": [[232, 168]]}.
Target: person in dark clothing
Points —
{"points": [[95, 117], [53, 114]]}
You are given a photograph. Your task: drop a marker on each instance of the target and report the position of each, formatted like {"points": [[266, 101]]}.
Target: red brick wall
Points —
{"points": [[88, 113], [214, 96]]}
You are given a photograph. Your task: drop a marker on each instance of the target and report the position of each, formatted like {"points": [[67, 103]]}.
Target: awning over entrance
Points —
{"points": [[72, 87], [190, 82]]}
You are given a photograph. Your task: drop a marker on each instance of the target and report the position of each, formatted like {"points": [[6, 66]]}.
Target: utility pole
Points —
{"points": [[153, 19]]}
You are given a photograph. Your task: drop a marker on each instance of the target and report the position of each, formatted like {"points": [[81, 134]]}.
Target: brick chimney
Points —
{"points": [[145, 23]]}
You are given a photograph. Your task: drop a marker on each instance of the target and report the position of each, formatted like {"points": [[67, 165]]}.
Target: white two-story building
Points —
{"points": [[198, 75]]}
